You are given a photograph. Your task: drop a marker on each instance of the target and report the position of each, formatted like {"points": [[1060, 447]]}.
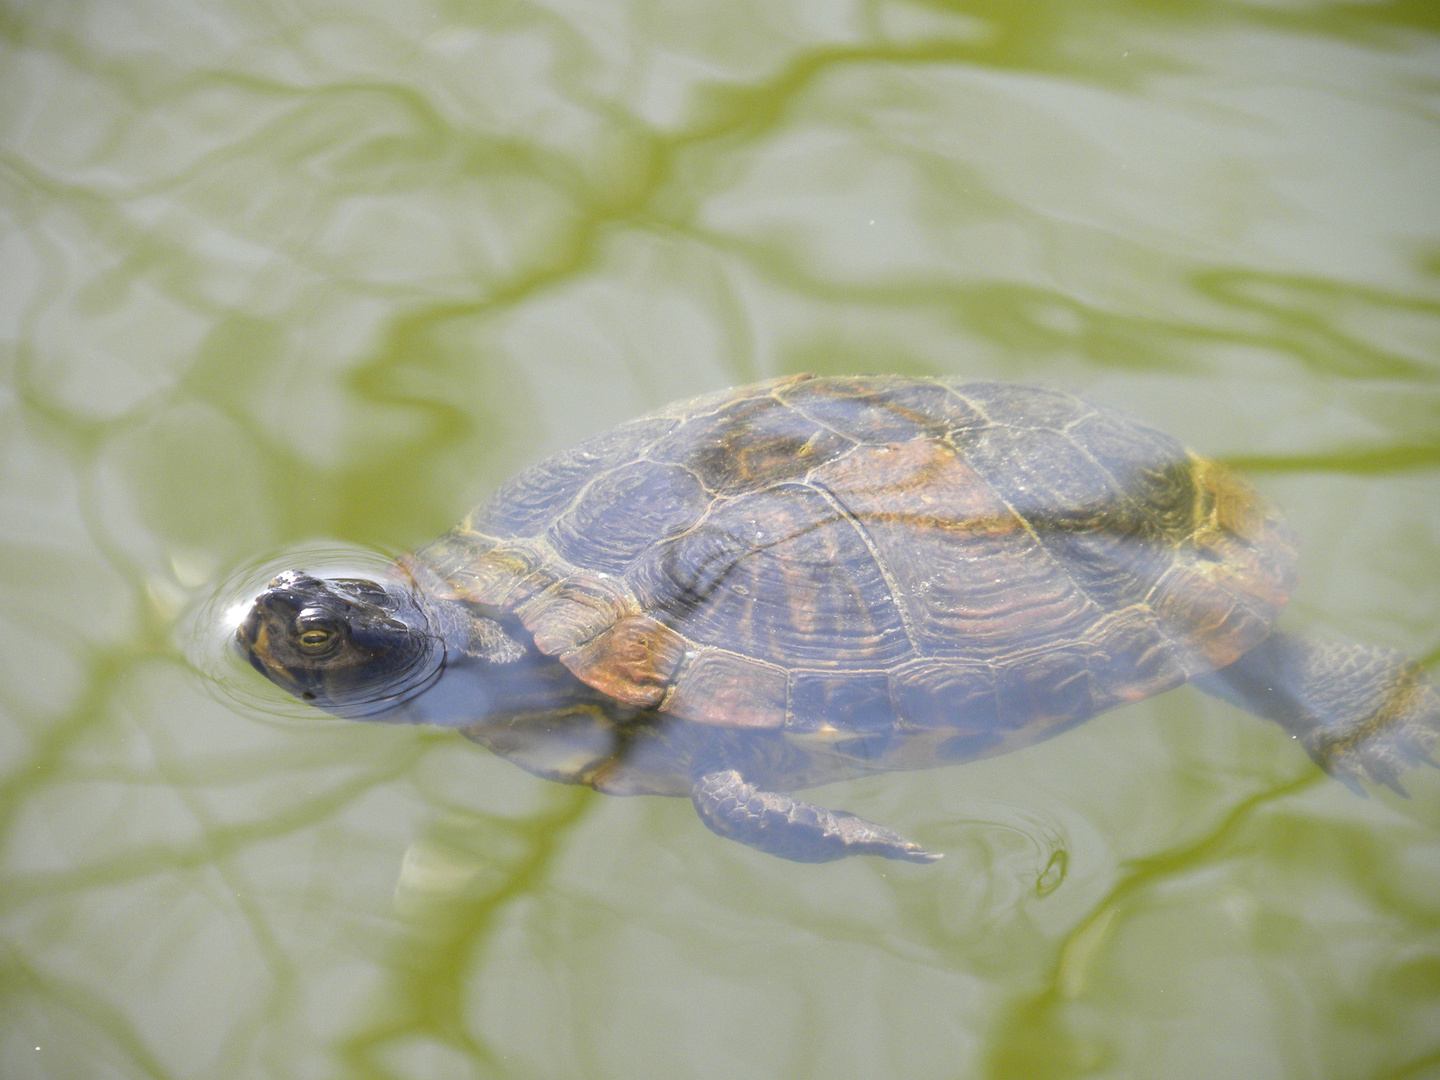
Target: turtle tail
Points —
{"points": [[1362, 712]]}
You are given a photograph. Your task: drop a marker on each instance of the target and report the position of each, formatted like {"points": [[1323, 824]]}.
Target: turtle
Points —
{"points": [[773, 587]]}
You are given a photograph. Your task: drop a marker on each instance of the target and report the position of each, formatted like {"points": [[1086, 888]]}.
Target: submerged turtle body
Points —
{"points": [[887, 571], [772, 587]]}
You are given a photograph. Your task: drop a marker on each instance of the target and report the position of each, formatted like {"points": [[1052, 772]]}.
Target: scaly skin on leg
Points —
{"points": [[792, 829], [1362, 712]]}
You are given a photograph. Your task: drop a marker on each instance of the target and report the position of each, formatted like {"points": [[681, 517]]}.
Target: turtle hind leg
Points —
{"points": [[1362, 712], [790, 828]]}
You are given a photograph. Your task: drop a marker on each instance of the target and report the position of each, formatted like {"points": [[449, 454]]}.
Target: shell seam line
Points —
{"points": [[901, 609]]}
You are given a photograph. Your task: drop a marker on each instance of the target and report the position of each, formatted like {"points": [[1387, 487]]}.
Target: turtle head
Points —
{"points": [[350, 646]]}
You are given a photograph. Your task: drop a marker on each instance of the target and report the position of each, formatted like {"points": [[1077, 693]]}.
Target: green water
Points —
{"points": [[272, 273]]}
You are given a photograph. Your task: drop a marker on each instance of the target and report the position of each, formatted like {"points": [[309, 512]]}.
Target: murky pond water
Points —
{"points": [[287, 275]]}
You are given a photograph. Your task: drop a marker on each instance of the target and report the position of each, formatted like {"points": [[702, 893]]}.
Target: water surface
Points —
{"points": [[280, 275]]}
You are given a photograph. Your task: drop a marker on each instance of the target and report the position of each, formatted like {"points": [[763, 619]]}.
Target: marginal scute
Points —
{"points": [[573, 611], [968, 745], [632, 661], [1233, 576], [1202, 605], [480, 571], [528, 503], [1244, 538], [846, 701], [726, 689], [938, 693], [1051, 688]]}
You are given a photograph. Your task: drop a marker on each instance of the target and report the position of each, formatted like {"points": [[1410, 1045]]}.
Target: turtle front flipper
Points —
{"points": [[792, 829], [1362, 712]]}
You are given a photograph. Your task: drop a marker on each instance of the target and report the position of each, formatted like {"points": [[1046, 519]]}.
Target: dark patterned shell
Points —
{"points": [[968, 566]]}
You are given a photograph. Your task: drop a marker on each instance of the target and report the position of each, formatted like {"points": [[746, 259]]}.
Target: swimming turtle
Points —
{"points": [[776, 586]]}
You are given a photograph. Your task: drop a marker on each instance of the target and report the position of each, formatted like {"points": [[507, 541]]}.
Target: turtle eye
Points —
{"points": [[316, 638]]}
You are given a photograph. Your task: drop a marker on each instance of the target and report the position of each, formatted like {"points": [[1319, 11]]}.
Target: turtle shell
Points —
{"points": [[947, 569]]}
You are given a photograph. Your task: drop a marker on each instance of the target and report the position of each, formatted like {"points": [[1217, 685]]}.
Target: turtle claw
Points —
{"points": [[1377, 759], [785, 826]]}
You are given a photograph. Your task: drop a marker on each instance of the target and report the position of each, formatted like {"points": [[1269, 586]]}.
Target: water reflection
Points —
{"points": [[278, 273]]}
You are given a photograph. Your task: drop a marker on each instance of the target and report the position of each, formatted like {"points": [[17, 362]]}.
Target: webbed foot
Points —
{"points": [[792, 829], [1362, 712]]}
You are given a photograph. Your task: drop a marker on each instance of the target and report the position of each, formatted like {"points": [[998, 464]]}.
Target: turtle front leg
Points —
{"points": [[790, 828]]}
